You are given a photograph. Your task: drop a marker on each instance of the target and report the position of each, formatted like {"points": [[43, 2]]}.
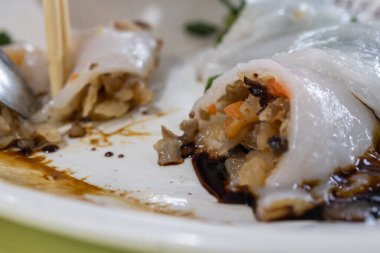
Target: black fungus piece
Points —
{"points": [[264, 101], [258, 90], [278, 145], [50, 148]]}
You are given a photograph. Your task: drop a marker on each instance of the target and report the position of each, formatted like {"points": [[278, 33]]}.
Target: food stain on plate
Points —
{"points": [[36, 172], [100, 138]]}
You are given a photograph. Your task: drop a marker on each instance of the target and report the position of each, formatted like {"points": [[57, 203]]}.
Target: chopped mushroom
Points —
{"points": [[169, 148]]}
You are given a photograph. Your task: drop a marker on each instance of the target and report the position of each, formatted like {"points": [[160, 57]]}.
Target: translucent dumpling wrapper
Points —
{"points": [[348, 52], [282, 18], [32, 64], [15, 130], [111, 71], [327, 128], [266, 27], [294, 130]]}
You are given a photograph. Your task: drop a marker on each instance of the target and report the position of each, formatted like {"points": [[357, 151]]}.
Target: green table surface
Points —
{"points": [[16, 238]]}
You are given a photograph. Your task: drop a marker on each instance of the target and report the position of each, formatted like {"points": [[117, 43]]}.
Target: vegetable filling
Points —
{"points": [[19, 133], [112, 96], [247, 127]]}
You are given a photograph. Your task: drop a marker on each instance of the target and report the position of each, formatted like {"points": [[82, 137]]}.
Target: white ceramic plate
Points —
{"points": [[210, 227]]}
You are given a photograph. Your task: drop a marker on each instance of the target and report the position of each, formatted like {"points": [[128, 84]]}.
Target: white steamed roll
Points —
{"points": [[111, 70], [266, 27]]}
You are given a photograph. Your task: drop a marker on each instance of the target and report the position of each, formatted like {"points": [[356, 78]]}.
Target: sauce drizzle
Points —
{"points": [[101, 138], [37, 173]]}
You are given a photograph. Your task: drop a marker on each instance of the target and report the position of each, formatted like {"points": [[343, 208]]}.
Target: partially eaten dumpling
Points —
{"points": [[290, 131], [112, 67], [16, 131]]}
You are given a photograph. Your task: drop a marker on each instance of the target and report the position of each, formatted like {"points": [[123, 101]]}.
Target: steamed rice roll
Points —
{"points": [[20, 133], [266, 27], [32, 64], [295, 130], [275, 127], [17, 131], [113, 65], [347, 52]]}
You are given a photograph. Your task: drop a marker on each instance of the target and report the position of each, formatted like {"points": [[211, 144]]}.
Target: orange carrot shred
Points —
{"points": [[74, 76], [233, 110], [232, 127], [276, 88], [212, 110], [17, 56]]}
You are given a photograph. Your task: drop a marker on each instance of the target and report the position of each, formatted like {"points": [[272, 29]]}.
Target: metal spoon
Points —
{"points": [[14, 93]]}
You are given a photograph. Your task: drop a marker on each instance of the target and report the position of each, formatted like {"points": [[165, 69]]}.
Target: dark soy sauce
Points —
{"points": [[213, 176]]}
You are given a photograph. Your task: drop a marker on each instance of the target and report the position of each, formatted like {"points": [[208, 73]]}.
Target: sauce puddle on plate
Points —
{"points": [[36, 172]]}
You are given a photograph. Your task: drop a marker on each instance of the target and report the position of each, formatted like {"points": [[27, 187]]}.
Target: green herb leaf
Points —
{"points": [[210, 81], [229, 5], [231, 18], [204, 29], [201, 28], [5, 39]]}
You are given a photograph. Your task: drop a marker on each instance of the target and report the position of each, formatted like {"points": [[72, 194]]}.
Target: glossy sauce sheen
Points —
{"points": [[213, 176], [352, 200], [347, 201]]}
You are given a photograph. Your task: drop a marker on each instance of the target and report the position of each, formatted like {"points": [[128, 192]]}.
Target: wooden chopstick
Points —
{"points": [[58, 38], [66, 28]]}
